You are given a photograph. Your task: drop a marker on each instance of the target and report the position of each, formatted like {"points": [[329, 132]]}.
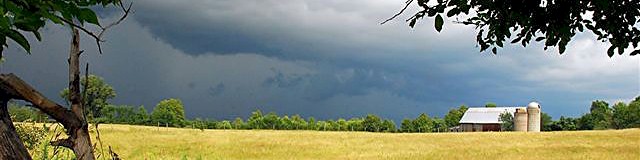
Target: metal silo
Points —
{"points": [[520, 120], [533, 110]]}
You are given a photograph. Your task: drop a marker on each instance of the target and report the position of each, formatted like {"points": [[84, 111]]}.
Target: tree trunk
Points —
{"points": [[11, 146], [79, 136]]}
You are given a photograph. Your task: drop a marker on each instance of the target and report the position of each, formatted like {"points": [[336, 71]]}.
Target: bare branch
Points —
{"points": [[399, 13], [62, 142], [98, 35], [126, 13]]}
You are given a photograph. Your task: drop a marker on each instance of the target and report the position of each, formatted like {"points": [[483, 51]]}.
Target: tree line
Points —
{"points": [[170, 112], [601, 116]]}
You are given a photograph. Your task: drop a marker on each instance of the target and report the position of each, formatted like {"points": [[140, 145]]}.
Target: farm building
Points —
{"points": [[487, 119]]}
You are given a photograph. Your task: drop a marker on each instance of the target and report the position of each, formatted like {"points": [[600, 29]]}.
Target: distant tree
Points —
{"points": [[98, 93], [546, 122], [20, 113], [507, 121], [423, 123], [312, 125], [372, 123], [615, 22], [633, 121], [331, 125], [407, 125], [141, 117], [256, 121], [225, 124], [601, 114], [620, 115], [343, 125], [271, 121], [626, 116], [491, 105], [439, 125], [356, 124], [567, 124], [453, 117], [169, 111], [298, 122], [586, 122], [238, 123], [388, 126]]}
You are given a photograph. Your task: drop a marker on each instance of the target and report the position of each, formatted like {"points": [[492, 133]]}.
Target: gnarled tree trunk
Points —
{"points": [[11, 146]]}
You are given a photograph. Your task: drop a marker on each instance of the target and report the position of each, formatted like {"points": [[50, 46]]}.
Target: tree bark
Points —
{"points": [[80, 136], [11, 146]]}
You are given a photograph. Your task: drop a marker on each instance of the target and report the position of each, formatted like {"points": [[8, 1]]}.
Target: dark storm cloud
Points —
{"points": [[326, 59], [217, 90]]}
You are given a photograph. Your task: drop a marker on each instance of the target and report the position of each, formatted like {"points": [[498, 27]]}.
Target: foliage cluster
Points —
{"points": [[615, 22]]}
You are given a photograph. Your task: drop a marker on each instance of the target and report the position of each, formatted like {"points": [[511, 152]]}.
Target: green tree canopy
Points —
{"points": [[423, 123], [169, 111], [507, 121], [491, 105], [546, 122], [98, 93], [453, 117], [372, 123], [554, 22], [626, 116]]}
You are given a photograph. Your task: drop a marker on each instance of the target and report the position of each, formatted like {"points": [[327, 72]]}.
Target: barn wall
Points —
{"points": [[490, 127], [466, 127]]}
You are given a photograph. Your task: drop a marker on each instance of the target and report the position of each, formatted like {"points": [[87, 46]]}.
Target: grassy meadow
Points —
{"points": [[145, 142], [140, 142]]}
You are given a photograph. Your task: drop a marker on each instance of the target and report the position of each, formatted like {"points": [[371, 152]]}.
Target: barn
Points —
{"points": [[482, 119]]}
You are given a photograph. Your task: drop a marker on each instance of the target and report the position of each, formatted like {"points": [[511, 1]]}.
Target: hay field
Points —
{"points": [[141, 142]]}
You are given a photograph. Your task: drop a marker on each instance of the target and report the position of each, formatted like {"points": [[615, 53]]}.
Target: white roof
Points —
{"points": [[486, 115]]}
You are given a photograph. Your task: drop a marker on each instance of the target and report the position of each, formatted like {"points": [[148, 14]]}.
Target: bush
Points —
{"points": [[30, 134]]}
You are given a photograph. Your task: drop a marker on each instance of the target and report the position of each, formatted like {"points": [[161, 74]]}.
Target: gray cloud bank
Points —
{"points": [[325, 59]]}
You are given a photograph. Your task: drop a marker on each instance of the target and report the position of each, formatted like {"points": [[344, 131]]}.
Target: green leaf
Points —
{"points": [[636, 52], [52, 17], [610, 51], [562, 48], [539, 39], [88, 15], [37, 34], [453, 12], [19, 38], [516, 40], [413, 22], [439, 23], [494, 50]]}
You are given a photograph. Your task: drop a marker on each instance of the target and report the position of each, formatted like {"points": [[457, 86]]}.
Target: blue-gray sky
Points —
{"points": [[321, 58]]}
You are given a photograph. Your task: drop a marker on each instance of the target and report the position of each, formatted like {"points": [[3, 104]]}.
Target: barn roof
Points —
{"points": [[486, 115]]}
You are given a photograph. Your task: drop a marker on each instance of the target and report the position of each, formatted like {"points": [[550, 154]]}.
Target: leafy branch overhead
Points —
{"points": [[20, 16], [554, 22]]}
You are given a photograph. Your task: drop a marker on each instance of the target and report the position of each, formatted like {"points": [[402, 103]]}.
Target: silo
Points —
{"points": [[533, 110], [520, 120]]}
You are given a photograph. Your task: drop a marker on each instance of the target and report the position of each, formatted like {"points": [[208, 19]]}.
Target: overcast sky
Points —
{"points": [[321, 58]]}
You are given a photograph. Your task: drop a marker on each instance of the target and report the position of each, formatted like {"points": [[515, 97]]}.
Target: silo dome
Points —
{"points": [[533, 105]]}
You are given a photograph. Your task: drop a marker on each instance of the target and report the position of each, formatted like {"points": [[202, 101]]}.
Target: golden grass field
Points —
{"points": [[145, 142]]}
